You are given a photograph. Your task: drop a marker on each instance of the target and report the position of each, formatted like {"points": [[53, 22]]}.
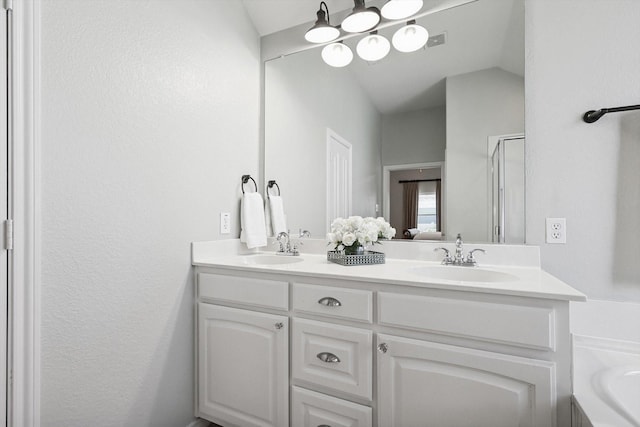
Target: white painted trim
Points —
{"points": [[386, 186], [24, 403]]}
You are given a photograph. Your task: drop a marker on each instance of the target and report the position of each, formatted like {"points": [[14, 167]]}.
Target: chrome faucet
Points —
{"points": [[304, 233], [286, 248], [459, 258]]}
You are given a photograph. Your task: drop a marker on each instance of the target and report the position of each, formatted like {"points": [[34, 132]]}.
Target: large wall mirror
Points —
{"points": [[446, 122]]}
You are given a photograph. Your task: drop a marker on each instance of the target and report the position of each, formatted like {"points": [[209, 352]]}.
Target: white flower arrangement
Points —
{"points": [[355, 231]]}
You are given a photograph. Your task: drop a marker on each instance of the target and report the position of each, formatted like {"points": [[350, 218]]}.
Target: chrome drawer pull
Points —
{"points": [[328, 357], [324, 425], [329, 302]]}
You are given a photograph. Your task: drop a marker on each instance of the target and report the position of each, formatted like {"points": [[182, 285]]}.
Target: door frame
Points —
{"points": [[23, 357], [386, 187]]}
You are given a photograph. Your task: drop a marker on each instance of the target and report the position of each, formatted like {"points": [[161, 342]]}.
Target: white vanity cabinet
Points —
{"points": [[376, 354], [455, 386], [243, 355]]}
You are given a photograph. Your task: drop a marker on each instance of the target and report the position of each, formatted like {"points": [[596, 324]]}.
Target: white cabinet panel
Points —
{"points": [[338, 357], [311, 409], [244, 290], [511, 324], [423, 383], [342, 303], [243, 375]]}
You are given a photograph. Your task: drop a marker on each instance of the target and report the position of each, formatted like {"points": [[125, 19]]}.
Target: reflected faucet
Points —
{"points": [[285, 245], [458, 258], [304, 233]]}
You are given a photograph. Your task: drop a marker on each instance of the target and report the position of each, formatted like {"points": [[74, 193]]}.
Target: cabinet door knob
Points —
{"points": [[279, 325], [383, 347], [329, 302], [328, 357]]}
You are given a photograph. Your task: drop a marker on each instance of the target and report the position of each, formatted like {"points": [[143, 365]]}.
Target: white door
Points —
{"points": [[243, 367], [338, 177], [422, 383]]}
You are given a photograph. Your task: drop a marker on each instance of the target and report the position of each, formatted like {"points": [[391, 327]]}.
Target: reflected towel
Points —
{"points": [[278, 218], [253, 229]]}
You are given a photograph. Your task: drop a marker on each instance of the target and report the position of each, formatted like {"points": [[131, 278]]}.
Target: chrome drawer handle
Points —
{"points": [[329, 302], [324, 425], [328, 357]]}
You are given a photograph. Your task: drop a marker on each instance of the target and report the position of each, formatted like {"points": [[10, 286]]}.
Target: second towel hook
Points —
{"points": [[271, 184]]}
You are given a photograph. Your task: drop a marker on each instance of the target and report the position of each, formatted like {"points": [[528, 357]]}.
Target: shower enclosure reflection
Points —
{"points": [[508, 190]]}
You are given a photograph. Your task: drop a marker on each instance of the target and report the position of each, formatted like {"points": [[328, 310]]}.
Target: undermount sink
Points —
{"points": [[266, 259], [463, 274]]}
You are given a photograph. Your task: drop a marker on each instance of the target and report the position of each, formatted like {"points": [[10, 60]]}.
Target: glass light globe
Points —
{"points": [[373, 47], [322, 34], [337, 55], [361, 21], [410, 38], [401, 9]]}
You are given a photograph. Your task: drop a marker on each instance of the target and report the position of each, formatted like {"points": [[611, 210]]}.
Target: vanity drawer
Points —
{"points": [[532, 327], [332, 356], [341, 303], [311, 409], [242, 290]]}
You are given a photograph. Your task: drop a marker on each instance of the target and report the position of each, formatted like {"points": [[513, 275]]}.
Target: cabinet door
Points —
{"points": [[427, 384], [243, 364]]}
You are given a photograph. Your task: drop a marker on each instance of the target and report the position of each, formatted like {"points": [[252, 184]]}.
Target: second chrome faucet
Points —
{"points": [[459, 258]]}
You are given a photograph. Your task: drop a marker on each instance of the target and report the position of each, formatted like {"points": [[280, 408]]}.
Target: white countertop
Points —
{"points": [[528, 281]]}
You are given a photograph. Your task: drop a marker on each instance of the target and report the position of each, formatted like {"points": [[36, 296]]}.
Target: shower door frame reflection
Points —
{"points": [[503, 174]]}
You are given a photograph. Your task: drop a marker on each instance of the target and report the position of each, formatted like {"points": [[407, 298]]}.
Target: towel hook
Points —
{"points": [[270, 185], [592, 116], [245, 179]]}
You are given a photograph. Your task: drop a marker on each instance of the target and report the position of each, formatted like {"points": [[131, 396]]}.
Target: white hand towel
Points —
{"points": [[267, 218], [253, 229], [278, 218]]}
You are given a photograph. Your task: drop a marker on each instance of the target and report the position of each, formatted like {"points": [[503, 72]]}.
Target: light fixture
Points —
{"points": [[410, 37], [401, 9], [362, 18], [373, 47], [337, 54], [322, 31]]}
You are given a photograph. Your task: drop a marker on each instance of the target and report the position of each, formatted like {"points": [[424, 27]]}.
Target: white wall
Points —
{"points": [[150, 116], [303, 97], [414, 137], [479, 104], [583, 56]]}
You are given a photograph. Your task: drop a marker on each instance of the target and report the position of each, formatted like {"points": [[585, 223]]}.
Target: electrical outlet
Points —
{"points": [[225, 223], [556, 230]]}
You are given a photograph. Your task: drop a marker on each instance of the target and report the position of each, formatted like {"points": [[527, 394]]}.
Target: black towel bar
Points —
{"points": [[245, 179], [593, 115]]}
